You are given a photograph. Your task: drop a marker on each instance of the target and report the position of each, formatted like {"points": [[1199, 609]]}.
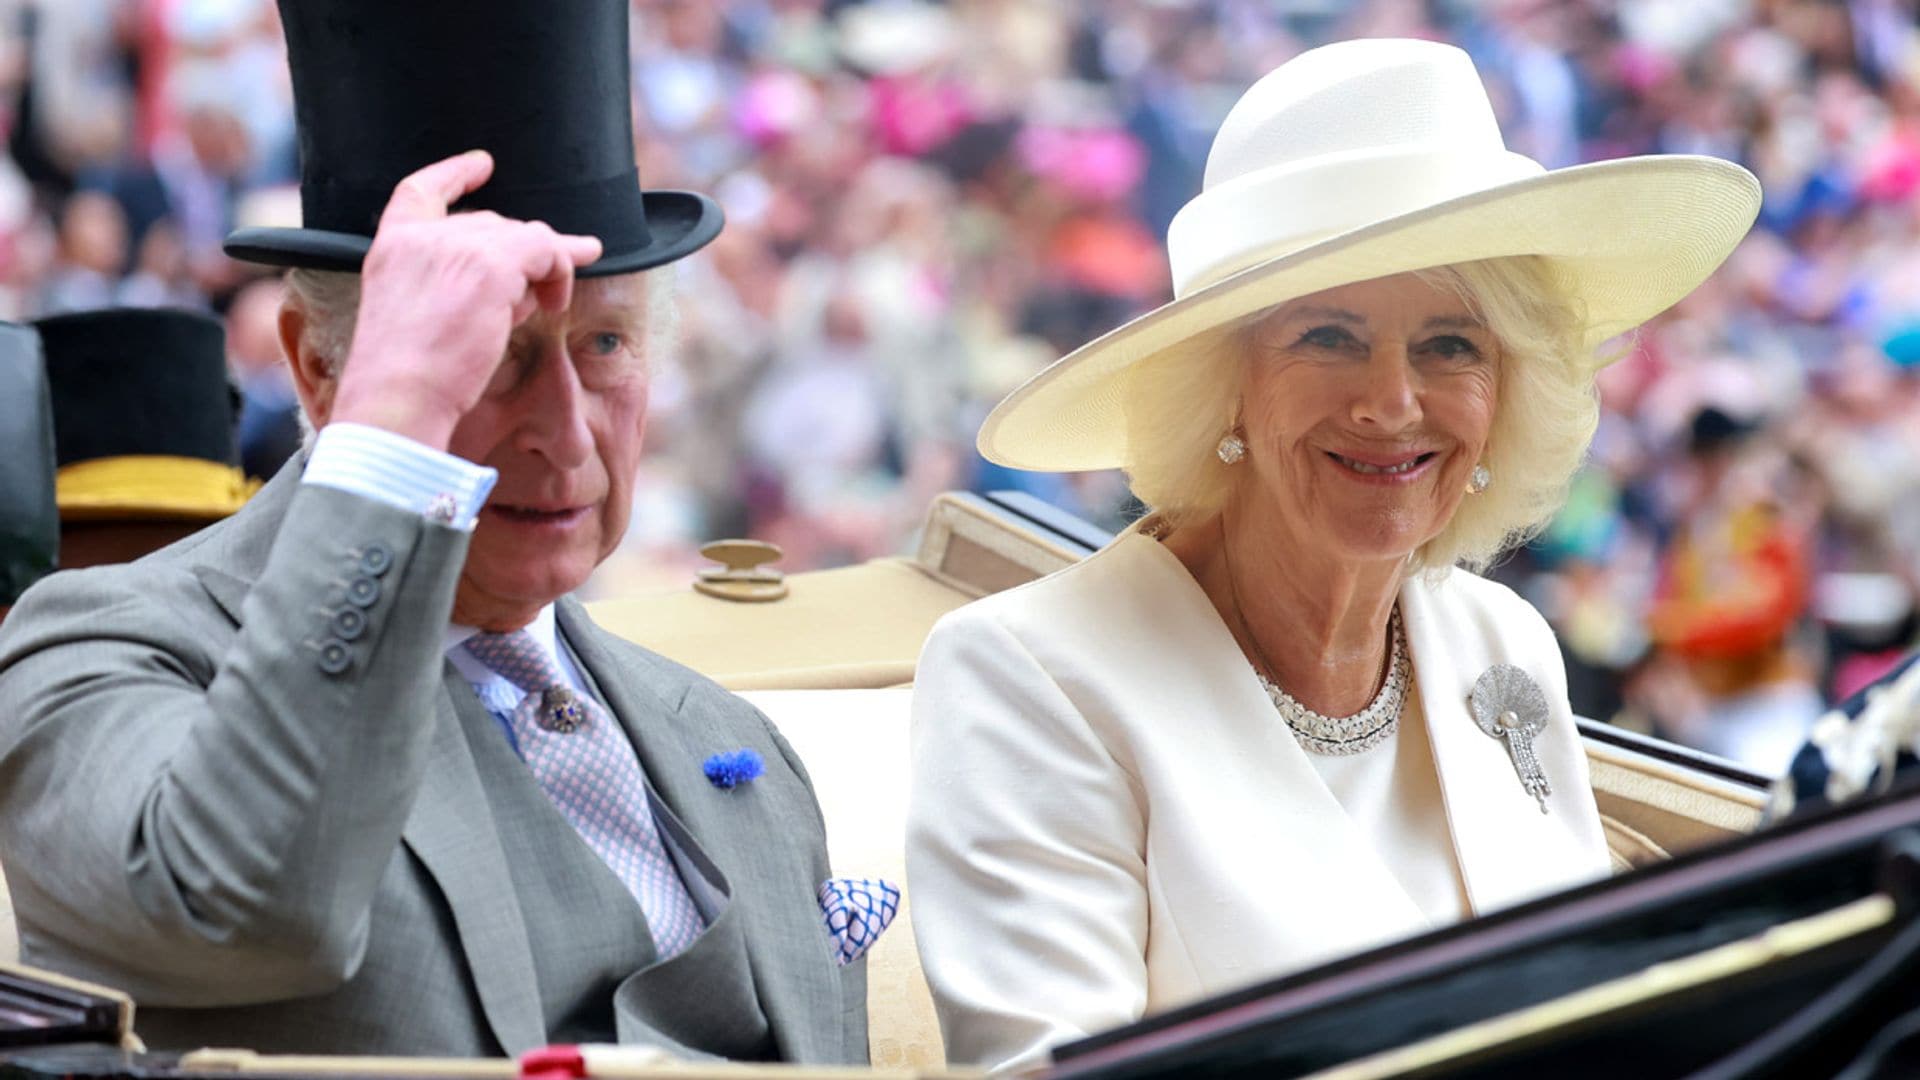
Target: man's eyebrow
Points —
{"points": [[624, 312]]}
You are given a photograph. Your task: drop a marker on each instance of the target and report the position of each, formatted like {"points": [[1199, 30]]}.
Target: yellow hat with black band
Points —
{"points": [[143, 416]]}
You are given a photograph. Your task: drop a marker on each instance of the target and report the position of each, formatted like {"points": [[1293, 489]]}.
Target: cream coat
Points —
{"points": [[1109, 819]]}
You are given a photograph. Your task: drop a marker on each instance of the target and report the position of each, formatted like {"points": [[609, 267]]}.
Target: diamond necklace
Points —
{"points": [[1364, 730], [1338, 736]]}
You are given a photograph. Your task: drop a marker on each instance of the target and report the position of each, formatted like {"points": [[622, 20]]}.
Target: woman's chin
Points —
{"points": [[1369, 538]]}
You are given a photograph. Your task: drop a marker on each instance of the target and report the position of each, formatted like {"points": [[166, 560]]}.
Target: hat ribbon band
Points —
{"points": [[1276, 211], [610, 208], [150, 485]]}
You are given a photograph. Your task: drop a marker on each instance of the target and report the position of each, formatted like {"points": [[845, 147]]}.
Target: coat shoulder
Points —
{"points": [[1115, 583], [677, 684], [157, 601], [685, 691], [1475, 598]]}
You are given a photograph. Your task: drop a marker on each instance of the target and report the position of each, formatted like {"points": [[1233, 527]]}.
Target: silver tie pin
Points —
{"points": [[1509, 706]]}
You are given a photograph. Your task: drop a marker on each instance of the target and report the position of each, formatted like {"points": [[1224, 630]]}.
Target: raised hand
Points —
{"points": [[440, 293]]}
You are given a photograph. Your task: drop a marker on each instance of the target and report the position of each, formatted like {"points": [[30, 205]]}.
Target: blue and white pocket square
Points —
{"points": [[856, 910]]}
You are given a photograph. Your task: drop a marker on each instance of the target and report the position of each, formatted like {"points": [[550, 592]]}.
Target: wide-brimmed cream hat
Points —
{"points": [[1366, 159]]}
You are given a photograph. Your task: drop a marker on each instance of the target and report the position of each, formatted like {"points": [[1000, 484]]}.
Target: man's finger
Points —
{"points": [[554, 293], [426, 194], [550, 264], [582, 250], [524, 308]]}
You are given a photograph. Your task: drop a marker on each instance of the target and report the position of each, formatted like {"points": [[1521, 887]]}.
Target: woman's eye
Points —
{"points": [[606, 344], [1452, 346], [1327, 337]]}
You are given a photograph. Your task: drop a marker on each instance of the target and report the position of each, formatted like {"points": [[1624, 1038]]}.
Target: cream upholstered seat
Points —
{"points": [[854, 744]]}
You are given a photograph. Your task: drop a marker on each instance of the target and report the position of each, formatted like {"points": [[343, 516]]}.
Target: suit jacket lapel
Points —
{"points": [[1508, 850], [451, 831], [672, 755]]}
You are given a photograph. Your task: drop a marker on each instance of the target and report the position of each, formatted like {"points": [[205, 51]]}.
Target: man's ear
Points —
{"points": [[313, 379]]}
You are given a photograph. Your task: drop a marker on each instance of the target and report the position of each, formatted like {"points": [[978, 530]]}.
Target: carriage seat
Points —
{"points": [[854, 745]]}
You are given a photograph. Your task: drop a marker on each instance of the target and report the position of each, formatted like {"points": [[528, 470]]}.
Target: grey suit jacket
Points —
{"points": [[238, 779]]}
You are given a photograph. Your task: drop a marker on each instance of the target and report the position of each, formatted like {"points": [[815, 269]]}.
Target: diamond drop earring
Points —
{"points": [[1232, 448], [1481, 480]]}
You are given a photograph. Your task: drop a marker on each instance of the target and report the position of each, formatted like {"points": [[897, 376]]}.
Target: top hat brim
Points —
{"points": [[1627, 238], [679, 223]]}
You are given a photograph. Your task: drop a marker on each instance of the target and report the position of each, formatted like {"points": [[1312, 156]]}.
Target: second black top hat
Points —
{"points": [[143, 415], [382, 88]]}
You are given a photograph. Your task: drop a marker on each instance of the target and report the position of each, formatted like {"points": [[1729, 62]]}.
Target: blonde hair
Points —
{"points": [[1180, 402]]}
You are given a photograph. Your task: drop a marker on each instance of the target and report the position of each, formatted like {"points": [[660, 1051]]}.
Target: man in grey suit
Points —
{"points": [[349, 772]]}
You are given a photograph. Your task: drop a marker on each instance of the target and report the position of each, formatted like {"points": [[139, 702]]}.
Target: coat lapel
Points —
{"points": [[1317, 859], [1508, 850], [452, 833], [792, 982]]}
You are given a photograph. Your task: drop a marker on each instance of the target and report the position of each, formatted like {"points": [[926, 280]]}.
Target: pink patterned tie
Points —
{"points": [[584, 762]]}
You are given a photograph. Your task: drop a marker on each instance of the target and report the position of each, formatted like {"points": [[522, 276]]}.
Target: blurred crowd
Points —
{"points": [[927, 202]]}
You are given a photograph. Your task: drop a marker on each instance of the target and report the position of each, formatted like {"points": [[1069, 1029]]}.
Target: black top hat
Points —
{"points": [[382, 88], [143, 415]]}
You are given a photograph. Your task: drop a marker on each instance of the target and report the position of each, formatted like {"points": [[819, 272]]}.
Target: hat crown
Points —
{"points": [[383, 88], [139, 381], [1355, 97], [1335, 139]]}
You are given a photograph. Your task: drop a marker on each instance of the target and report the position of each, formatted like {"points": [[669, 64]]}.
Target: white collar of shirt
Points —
{"points": [[490, 684]]}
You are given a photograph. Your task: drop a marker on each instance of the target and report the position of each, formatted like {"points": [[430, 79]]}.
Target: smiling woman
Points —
{"points": [[1179, 404], [1280, 720]]}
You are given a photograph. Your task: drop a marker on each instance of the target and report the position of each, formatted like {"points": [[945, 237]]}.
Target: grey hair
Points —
{"points": [[1180, 402], [330, 300]]}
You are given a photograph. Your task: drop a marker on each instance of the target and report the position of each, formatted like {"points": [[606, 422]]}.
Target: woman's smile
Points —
{"points": [[1386, 469]]}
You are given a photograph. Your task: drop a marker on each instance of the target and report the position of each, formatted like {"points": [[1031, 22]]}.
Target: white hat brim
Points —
{"points": [[1629, 237]]}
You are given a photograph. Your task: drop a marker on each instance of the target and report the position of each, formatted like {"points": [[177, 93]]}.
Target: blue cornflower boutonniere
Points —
{"points": [[729, 770]]}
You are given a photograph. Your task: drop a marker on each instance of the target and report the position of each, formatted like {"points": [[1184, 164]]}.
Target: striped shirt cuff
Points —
{"points": [[395, 470]]}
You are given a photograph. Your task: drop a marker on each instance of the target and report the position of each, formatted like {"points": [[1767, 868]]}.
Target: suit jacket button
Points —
{"points": [[349, 623], [334, 656], [362, 592], [376, 558]]}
